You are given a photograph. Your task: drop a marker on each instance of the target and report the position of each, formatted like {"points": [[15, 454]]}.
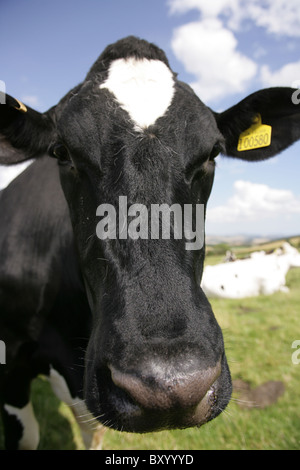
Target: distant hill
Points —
{"points": [[242, 245], [248, 240], [235, 240]]}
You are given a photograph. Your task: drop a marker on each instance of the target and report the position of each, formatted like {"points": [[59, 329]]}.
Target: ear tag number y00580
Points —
{"points": [[257, 136]]}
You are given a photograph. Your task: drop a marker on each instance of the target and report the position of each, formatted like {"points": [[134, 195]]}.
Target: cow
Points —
{"points": [[129, 309], [45, 317], [260, 274]]}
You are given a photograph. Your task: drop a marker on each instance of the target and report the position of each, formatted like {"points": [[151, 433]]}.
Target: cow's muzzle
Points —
{"points": [[155, 398], [164, 392]]}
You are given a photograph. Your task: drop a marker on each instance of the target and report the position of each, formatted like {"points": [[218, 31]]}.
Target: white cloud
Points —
{"points": [[31, 100], [197, 45], [276, 16], [208, 48], [212, 8], [285, 76], [254, 202]]}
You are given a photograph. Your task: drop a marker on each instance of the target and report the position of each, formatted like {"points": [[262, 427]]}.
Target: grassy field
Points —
{"points": [[258, 335]]}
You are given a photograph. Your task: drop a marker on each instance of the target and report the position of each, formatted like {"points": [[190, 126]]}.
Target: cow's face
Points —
{"points": [[130, 138], [156, 355]]}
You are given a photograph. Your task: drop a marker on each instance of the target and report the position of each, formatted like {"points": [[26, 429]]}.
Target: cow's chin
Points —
{"points": [[114, 408]]}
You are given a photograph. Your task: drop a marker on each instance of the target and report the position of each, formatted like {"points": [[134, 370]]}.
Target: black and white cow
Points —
{"points": [[152, 350], [45, 318]]}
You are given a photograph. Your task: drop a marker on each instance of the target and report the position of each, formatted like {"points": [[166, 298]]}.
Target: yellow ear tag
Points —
{"points": [[257, 136], [22, 108]]}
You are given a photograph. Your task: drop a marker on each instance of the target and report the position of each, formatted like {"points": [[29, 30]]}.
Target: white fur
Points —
{"points": [[144, 88], [30, 437], [9, 173], [84, 418]]}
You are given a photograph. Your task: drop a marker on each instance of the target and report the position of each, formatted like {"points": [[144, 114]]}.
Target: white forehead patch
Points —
{"points": [[144, 88]]}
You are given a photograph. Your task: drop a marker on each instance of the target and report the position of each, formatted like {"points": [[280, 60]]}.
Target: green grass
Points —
{"points": [[258, 334]]}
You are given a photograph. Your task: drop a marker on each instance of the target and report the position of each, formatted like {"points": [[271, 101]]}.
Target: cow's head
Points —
{"points": [[132, 132]]}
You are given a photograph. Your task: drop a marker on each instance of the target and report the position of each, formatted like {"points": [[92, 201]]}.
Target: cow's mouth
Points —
{"points": [[130, 417]]}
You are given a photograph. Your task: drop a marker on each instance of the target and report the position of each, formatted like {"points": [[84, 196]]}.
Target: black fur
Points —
{"points": [[154, 347]]}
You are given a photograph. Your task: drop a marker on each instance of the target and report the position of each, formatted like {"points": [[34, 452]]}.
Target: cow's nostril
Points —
{"points": [[165, 391]]}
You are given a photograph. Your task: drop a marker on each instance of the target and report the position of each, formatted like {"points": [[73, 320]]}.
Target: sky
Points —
{"points": [[225, 49]]}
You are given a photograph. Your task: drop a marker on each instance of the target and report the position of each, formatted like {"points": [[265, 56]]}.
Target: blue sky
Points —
{"points": [[225, 49]]}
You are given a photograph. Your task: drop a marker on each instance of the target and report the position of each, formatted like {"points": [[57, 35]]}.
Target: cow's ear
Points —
{"points": [[262, 125], [24, 132]]}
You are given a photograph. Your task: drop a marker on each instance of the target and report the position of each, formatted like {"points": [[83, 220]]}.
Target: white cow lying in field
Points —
{"points": [[259, 274]]}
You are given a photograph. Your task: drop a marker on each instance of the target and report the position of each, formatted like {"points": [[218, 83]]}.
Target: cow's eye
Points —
{"points": [[217, 148], [60, 152]]}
